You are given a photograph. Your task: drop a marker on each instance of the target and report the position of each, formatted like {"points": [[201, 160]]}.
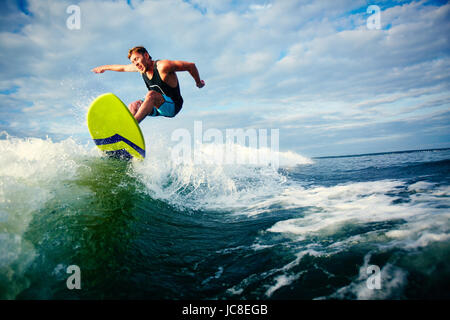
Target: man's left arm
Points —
{"points": [[176, 66]]}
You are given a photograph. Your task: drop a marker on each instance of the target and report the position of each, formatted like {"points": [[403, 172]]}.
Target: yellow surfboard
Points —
{"points": [[114, 129]]}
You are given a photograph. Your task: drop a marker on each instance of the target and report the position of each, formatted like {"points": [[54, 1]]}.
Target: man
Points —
{"points": [[164, 97]]}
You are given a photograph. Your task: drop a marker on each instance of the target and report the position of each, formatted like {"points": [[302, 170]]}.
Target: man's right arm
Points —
{"points": [[116, 67]]}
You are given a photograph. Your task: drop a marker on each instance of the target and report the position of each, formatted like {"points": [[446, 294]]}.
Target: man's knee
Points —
{"points": [[154, 96], [151, 94], [134, 106]]}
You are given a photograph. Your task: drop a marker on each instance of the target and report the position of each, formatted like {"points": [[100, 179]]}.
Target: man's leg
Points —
{"points": [[152, 99], [134, 106]]}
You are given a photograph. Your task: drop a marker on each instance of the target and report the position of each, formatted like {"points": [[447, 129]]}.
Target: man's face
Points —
{"points": [[140, 61]]}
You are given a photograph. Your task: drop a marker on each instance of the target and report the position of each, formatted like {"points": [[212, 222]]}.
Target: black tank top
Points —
{"points": [[156, 84]]}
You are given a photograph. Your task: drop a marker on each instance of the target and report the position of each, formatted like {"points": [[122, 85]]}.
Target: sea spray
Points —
{"points": [[203, 183]]}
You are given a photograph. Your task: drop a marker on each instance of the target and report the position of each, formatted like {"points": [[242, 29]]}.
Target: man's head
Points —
{"points": [[140, 58]]}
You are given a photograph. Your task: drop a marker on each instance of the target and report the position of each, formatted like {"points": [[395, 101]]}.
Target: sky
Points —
{"points": [[317, 71]]}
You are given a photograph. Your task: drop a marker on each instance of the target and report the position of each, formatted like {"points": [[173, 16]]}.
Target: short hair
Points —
{"points": [[138, 49]]}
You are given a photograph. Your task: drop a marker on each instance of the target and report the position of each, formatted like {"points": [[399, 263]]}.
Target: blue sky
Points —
{"points": [[311, 69]]}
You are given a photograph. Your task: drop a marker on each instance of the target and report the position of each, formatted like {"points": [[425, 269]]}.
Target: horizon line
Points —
{"points": [[380, 153]]}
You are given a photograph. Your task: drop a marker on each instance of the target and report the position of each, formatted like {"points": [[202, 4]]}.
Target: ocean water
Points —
{"points": [[355, 227]]}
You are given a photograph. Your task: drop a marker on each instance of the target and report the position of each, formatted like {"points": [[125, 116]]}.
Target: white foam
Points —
{"points": [[281, 277], [217, 275], [237, 154], [43, 159], [281, 281], [426, 239], [420, 186], [29, 170], [392, 282], [257, 246], [235, 291], [326, 210], [331, 207], [202, 183]]}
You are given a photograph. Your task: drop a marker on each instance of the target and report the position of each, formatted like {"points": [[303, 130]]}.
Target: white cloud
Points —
{"points": [[292, 64]]}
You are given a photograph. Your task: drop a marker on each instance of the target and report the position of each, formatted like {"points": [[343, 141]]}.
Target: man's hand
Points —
{"points": [[201, 84], [99, 69]]}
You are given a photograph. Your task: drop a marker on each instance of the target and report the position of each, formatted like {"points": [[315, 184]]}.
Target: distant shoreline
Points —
{"points": [[381, 153]]}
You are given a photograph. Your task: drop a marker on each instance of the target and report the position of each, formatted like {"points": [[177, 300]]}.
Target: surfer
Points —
{"points": [[164, 97]]}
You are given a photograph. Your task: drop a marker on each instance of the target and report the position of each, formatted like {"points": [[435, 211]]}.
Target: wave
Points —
{"points": [[41, 179], [62, 202], [30, 171]]}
